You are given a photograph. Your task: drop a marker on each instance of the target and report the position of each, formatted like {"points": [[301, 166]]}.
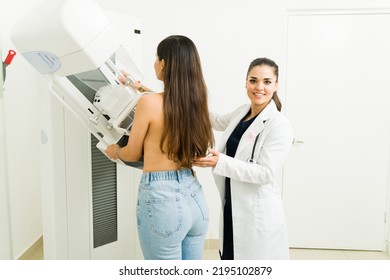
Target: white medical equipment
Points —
{"points": [[88, 200], [78, 46]]}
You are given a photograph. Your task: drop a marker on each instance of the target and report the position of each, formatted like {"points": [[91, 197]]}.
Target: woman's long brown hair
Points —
{"points": [[187, 127]]}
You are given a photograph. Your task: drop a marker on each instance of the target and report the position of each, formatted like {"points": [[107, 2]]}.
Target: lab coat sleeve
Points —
{"points": [[221, 122], [273, 152]]}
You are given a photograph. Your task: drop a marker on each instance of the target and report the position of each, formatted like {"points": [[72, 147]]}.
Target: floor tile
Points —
{"points": [[211, 255]]}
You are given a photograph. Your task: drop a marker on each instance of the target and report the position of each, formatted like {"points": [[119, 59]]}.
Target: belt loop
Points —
{"points": [[178, 175], [149, 177]]}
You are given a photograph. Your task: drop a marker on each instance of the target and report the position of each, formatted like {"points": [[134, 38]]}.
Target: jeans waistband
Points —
{"points": [[167, 175]]}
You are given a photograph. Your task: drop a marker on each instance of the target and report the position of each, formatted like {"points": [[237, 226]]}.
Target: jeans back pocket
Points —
{"points": [[200, 200], [165, 215]]}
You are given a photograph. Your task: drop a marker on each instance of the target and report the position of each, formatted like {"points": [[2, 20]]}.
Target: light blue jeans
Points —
{"points": [[172, 215]]}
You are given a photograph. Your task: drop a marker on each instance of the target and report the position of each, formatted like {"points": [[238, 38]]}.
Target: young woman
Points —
{"points": [[171, 210], [253, 148]]}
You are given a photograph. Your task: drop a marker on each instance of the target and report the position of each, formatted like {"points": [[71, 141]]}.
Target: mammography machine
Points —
{"points": [[88, 200], [82, 52]]}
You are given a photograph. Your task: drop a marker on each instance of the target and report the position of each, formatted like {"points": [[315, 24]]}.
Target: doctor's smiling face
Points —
{"points": [[261, 84]]}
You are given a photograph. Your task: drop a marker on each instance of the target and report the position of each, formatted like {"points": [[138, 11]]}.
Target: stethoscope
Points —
{"points": [[250, 160]]}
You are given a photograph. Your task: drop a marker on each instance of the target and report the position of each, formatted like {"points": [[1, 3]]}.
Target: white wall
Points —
{"points": [[5, 248], [228, 34], [21, 139]]}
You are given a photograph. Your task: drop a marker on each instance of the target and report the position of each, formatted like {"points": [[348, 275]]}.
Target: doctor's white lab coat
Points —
{"points": [[259, 226]]}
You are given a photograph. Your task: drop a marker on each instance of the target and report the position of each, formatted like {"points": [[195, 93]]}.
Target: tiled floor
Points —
{"points": [[295, 254]]}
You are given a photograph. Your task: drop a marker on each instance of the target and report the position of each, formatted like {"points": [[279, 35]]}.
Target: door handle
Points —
{"points": [[296, 141]]}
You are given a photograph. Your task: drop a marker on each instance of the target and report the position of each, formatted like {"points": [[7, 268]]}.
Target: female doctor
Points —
{"points": [[252, 150]]}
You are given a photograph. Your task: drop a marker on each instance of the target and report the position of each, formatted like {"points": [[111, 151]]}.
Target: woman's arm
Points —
{"points": [[133, 84], [133, 150]]}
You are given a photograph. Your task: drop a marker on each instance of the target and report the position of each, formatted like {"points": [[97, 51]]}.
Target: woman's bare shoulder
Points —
{"points": [[150, 104], [151, 98]]}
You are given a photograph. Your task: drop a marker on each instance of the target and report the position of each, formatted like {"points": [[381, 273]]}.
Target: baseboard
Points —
{"points": [[388, 248], [211, 244], [30, 252]]}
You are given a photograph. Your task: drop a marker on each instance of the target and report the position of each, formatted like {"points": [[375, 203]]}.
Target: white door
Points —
{"points": [[336, 182]]}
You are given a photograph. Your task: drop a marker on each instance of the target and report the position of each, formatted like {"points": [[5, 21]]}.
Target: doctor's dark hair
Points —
{"points": [[187, 127], [270, 63]]}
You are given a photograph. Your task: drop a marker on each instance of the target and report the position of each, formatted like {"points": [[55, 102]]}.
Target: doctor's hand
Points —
{"points": [[208, 161]]}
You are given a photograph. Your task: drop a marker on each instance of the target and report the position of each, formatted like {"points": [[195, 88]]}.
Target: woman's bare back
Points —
{"points": [[153, 114]]}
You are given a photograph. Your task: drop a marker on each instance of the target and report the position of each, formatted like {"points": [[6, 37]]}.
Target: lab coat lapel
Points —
{"points": [[248, 138], [231, 127]]}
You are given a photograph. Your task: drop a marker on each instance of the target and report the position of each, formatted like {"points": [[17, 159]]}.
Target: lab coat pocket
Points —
{"points": [[269, 214]]}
